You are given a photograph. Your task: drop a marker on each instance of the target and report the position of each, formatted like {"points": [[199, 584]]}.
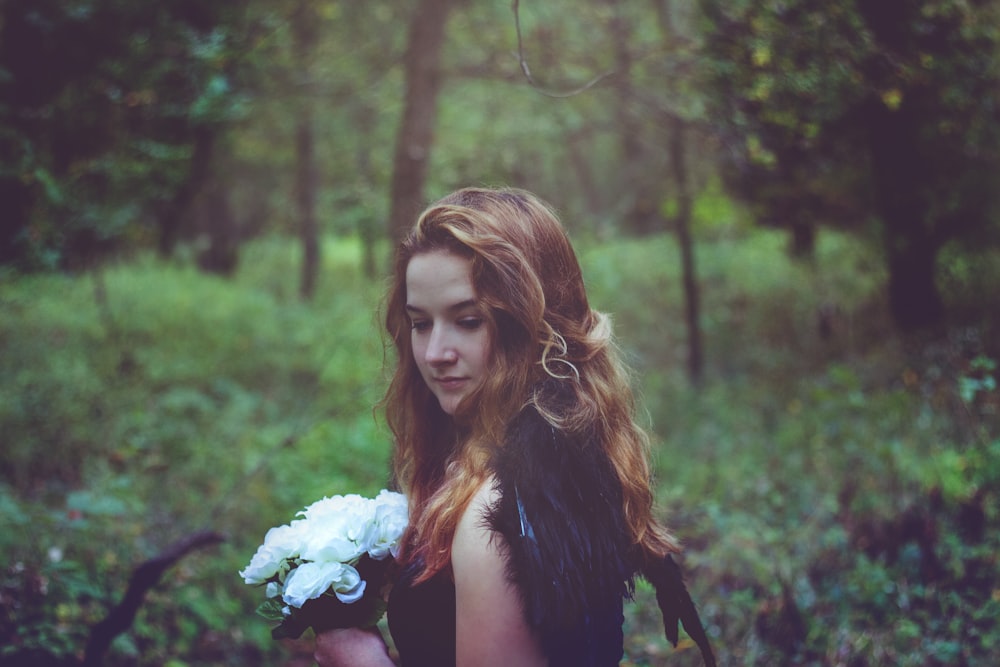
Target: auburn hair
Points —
{"points": [[530, 288]]}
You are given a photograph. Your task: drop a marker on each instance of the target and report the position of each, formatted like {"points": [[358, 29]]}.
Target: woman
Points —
{"points": [[527, 477]]}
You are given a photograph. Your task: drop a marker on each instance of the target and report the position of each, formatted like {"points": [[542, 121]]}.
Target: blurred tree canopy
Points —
{"points": [[191, 127], [109, 114], [850, 113]]}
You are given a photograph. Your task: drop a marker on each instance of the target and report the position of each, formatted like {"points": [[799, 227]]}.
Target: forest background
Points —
{"points": [[790, 209]]}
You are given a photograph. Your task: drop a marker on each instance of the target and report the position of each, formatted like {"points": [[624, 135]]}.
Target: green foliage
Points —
{"points": [[838, 497], [836, 491], [190, 403], [849, 114], [99, 108]]}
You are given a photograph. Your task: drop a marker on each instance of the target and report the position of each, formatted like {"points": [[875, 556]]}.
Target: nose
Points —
{"points": [[440, 349]]}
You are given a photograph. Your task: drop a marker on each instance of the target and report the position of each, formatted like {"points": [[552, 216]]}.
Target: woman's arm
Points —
{"points": [[490, 630], [351, 647]]}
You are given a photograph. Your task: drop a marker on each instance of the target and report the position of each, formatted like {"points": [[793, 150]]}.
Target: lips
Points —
{"points": [[450, 382]]}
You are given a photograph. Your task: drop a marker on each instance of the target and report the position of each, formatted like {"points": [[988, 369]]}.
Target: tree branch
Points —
{"points": [[522, 60], [143, 578]]}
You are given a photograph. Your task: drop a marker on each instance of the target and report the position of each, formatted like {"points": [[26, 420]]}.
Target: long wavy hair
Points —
{"points": [[529, 285]]}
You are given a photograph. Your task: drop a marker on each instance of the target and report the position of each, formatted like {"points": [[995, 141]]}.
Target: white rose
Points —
{"points": [[337, 506], [310, 580], [340, 528], [350, 587], [265, 564], [286, 538], [281, 544], [324, 547], [391, 517]]}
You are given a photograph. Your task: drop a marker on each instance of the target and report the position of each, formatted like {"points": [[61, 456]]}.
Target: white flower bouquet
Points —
{"points": [[329, 569]]}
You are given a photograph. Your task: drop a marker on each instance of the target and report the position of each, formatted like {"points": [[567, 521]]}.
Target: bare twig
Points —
{"points": [[522, 60]]}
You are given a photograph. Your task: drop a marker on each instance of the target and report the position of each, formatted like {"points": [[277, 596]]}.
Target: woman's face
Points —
{"points": [[449, 336]]}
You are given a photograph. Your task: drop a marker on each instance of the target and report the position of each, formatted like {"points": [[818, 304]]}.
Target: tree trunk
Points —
{"points": [[304, 26], [578, 158], [641, 215], [900, 179], [416, 130], [173, 212], [305, 196], [685, 204], [914, 299], [802, 243], [368, 228], [682, 226], [220, 226], [17, 201]]}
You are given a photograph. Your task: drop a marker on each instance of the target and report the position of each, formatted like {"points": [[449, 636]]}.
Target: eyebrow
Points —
{"points": [[454, 308]]}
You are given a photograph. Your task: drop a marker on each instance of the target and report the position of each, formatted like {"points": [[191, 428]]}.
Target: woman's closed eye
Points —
{"points": [[468, 323]]}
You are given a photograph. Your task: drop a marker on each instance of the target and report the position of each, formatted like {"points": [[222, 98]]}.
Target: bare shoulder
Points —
{"points": [[473, 538], [490, 629]]}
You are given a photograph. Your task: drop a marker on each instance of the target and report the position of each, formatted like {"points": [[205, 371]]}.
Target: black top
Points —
{"points": [[422, 620], [569, 554], [422, 624]]}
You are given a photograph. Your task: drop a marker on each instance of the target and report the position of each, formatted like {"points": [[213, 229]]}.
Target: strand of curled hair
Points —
{"points": [[555, 341]]}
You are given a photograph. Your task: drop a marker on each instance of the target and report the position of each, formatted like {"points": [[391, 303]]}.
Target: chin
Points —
{"points": [[449, 404]]}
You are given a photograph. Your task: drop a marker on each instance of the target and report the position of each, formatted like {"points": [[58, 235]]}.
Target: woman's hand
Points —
{"points": [[352, 647]]}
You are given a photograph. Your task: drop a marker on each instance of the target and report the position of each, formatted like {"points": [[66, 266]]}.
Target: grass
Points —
{"points": [[836, 490]]}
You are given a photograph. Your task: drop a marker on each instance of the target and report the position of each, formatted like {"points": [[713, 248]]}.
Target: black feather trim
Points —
{"points": [[560, 512], [676, 605], [569, 549]]}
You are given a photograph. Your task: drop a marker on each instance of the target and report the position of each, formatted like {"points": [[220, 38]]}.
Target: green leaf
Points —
{"points": [[271, 609]]}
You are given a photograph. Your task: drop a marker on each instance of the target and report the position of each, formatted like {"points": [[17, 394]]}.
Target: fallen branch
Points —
{"points": [[143, 578]]}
